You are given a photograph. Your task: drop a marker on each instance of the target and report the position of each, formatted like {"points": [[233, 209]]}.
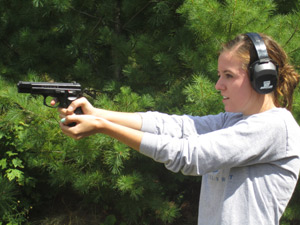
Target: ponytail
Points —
{"points": [[288, 80]]}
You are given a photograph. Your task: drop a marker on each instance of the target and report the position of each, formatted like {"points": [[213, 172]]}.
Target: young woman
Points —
{"points": [[248, 156]]}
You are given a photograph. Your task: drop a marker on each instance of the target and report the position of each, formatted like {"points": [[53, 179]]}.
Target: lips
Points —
{"points": [[225, 97]]}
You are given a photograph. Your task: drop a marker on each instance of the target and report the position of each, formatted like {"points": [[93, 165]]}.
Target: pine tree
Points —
{"points": [[138, 53]]}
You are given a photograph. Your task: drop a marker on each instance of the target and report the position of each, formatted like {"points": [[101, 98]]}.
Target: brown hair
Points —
{"points": [[288, 78]]}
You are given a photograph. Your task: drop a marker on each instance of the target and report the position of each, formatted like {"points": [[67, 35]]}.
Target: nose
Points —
{"points": [[220, 84]]}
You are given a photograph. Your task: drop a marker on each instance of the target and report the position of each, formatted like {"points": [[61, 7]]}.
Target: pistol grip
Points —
{"points": [[71, 124], [77, 111]]}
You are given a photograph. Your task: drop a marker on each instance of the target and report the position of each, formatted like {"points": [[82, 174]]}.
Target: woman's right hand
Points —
{"points": [[85, 105]]}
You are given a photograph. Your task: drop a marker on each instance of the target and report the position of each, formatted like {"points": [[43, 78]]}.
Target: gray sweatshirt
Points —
{"points": [[250, 165]]}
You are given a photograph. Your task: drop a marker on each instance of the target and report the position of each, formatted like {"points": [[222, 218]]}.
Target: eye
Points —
{"points": [[228, 75]]}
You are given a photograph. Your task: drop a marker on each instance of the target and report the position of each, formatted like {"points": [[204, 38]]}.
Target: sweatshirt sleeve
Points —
{"points": [[257, 139], [180, 126]]}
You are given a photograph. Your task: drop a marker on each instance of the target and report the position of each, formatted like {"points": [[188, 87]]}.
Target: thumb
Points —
{"points": [[74, 105], [82, 103], [70, 121]]}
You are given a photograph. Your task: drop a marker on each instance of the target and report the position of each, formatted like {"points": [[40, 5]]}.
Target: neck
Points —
{"points": [[263, 103], [268, 103]]}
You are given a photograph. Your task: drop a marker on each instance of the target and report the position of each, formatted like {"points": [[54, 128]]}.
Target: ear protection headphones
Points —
{"points": [[263, 72]]}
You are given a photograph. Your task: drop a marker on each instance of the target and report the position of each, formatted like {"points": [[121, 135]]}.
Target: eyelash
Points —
{"points": [[227, 75]]}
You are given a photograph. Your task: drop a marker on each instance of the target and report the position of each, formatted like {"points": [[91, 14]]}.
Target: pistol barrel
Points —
{"points": [[48, 88]]}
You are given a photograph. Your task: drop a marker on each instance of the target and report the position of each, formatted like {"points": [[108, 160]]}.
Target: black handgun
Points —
{"points": [[64, 93]]}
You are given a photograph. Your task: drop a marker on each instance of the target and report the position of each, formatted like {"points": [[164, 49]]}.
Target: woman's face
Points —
{"points": [[234, 85]]}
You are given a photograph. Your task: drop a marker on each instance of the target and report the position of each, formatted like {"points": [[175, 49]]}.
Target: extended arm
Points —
{"points": [[130, 120], [87, 125], [152, 122], [254, 140]]}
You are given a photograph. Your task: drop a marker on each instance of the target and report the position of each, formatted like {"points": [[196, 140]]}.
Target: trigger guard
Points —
{"points": [[45, 103]]}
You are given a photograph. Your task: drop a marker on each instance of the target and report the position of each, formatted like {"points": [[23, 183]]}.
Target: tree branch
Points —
{"points": [[293, 34], [137, 13], [84, 13]]}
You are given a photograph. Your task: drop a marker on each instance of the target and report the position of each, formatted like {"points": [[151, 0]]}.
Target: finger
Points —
{"points": [[72, 119], [62, 115], [52, 102], [62, 112], [75, 104], [70, 131], [67, 130]]}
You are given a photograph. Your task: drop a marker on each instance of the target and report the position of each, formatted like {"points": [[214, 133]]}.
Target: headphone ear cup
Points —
{"points": [[263, 76]]}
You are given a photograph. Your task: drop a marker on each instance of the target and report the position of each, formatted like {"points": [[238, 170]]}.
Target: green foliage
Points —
{"points": [[8, 196], [13, 207], [142, 55], [296, 105], [109, 220], [96, 169], [201, 97], [132, 185]]}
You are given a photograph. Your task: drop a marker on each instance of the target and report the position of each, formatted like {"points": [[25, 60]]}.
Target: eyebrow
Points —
{"points": [[226, 71]]}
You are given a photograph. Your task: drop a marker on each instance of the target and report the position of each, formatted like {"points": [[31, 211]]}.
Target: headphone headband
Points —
{"points": [[259, 45]]}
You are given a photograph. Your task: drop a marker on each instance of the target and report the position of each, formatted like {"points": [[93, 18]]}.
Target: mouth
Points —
{"points": [[225, 97]]}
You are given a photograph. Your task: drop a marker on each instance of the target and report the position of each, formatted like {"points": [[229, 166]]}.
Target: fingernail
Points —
{"points": [[63, 120]]}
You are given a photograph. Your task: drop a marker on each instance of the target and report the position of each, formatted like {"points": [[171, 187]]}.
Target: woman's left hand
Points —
{"points": [[86, 125]]}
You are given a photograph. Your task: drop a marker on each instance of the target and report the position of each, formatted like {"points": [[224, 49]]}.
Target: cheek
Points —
{"points": [[242, 93], [242, 97], [244, 86]]}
